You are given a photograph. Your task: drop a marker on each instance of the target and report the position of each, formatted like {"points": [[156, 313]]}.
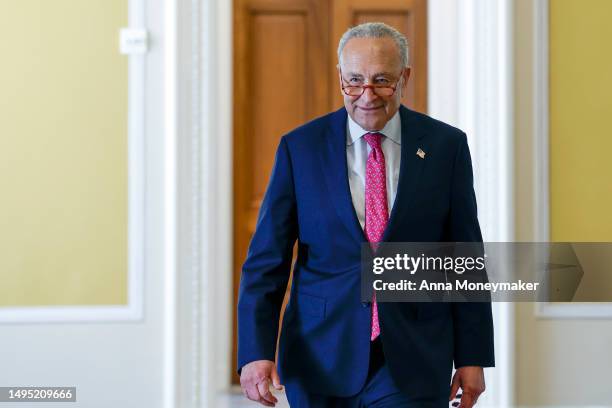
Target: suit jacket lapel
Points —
{"points": [[411, 167], [333, 160]]}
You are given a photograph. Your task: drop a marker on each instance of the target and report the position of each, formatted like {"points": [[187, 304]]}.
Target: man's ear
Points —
{"points": [[339, 78], [405, 76]]}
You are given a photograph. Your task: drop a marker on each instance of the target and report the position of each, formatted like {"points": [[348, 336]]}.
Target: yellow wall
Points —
{"points": [[553, 366], [63, 150], [580, 120]]}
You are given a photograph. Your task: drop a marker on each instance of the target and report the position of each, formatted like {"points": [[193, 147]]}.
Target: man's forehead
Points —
{"points": [[378, 54], [369, 73]]}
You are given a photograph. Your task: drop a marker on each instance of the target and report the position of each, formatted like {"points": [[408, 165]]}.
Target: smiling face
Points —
{"points": [[372, 61]]}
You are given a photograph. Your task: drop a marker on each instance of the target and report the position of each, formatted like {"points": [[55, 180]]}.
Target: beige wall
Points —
{"points": [[63, 151], [558, 362], [580, 112]]}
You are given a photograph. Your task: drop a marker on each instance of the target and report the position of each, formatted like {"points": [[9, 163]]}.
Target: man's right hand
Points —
{"points": [[255, 379]]}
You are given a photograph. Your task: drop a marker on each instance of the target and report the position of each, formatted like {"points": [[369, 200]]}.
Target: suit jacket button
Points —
{"points": [[365, 304]]}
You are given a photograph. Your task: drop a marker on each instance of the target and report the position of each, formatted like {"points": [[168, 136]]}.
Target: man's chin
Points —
{"points": [[371, 125]]}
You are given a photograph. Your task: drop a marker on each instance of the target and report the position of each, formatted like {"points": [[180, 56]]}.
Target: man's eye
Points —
{"points": [[355, 81], [382, 81]]}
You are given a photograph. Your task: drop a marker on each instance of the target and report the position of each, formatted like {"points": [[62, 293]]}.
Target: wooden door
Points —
{"points": [[285, 75], [280, 81]]}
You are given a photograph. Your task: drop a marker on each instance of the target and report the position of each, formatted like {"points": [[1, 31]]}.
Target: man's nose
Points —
{"points": [[369, 95]]}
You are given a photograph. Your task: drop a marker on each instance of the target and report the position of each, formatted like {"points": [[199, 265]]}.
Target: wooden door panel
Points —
{"points": [[274, 111]]}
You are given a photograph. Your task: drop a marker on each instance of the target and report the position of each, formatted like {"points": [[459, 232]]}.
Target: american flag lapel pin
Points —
{"points": [[420, 153]]}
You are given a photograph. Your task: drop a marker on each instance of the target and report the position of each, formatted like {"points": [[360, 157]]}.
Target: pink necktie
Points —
{"points": [[376, 209]]}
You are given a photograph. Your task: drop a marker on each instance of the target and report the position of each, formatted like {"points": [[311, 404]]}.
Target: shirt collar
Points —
{"points": [[392, 130]]}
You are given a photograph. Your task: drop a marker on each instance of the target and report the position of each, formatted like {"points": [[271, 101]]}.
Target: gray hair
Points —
{"points": [[376, 30]]}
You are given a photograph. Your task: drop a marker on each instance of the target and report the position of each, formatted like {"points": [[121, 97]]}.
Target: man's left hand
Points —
{"points": [[472, 383]]}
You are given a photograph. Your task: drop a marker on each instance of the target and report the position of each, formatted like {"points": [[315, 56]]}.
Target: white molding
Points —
{"points": [[195, 364], [573, 310], [541, 204], [471, 87], [442, 92], [136, 170], [217, 209], [541, 159], [133, 311], [198, 336], [171, 135], [69, 314]]}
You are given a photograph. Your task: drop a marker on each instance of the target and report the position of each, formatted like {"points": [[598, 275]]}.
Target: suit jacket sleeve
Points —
{"points": [[266, 270], [473, 322]]}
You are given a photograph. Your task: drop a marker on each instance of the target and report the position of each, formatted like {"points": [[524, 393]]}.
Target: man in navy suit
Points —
{"points": [[373, 171]]}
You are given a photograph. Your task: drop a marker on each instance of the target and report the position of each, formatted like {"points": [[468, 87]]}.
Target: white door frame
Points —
{"points": [[198, 112], [470, 85]]}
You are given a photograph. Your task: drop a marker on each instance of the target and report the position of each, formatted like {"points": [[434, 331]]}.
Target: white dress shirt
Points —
{"points": [[357, 150]]}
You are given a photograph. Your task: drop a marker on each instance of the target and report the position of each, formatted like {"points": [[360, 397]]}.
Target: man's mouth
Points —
{"points": [[369, 109]]}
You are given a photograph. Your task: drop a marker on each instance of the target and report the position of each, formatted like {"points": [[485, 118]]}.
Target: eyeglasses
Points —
{"points": [[358, 90]]}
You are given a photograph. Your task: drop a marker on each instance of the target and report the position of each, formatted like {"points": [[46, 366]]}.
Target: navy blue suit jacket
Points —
{"points": [[325, 338]]}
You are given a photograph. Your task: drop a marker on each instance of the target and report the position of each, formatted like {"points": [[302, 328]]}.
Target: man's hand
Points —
{"points": [[255, 379], [472, 382]]}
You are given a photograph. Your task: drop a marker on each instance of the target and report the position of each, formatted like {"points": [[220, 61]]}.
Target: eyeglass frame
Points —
{"points": [[373, 87]]}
